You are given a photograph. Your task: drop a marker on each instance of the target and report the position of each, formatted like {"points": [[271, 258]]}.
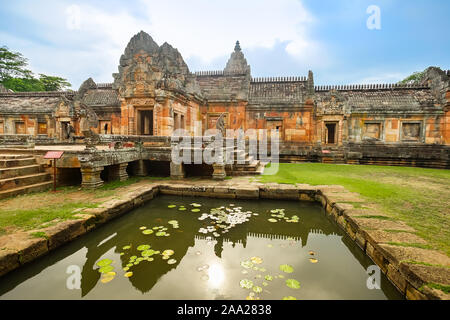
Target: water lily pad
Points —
{"points": [[142, 228], [104, 262], [286, 268], [148, 253], [128, 274], [133, 258], [197, 205], [129, 265], [107, 277], [313, 260], [268, 277], [126, 268], [165, 257], [168, 252], [256, 260], [106, 269], [173, 222], [160, 234], [247, 264], [172, 261], [293, 284], [182, 209], [272, 220], [143, 247], [147, 231], [257, 289], [265, 284], [126, 248], [195, 210], [171, 206], [289, 298], [246, 284]]}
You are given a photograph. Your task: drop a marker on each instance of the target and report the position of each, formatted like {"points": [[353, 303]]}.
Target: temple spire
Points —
{"points": [[237, 64], [237, 47]]}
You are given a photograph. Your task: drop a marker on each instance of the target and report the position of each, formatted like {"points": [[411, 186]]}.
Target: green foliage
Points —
{"points": [[15, 76], [414, 78], [443, 288], [52, 83], [23, 84], [12, 64], [39, 234]]}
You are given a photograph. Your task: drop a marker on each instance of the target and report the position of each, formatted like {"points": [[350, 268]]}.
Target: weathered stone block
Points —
{"points": [[246, 192], [64, 232], [397, 278], [9, 260]]}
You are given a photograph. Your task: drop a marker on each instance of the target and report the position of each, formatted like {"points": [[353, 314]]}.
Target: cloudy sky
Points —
{"points": [[81, 39]]}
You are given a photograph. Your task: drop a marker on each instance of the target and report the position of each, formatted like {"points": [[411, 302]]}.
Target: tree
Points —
{"points": [[52, 83], [12, 64], [15, 76], [414, 78], [23, 84]]}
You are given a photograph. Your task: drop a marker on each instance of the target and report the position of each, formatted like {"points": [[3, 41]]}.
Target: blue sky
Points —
{"points": [[81, 39]]}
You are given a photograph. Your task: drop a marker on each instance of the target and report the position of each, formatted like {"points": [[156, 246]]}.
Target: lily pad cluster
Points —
{"points": [[223, 219], [256, 288], [280, 215], [106, 269]]}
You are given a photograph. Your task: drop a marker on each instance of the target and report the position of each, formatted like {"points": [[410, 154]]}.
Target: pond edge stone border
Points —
{"points": [[408, 280]]}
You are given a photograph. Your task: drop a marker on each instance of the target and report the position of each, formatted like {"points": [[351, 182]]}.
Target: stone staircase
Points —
{"points": [[250, 166], [333, 155], [20, 174]]}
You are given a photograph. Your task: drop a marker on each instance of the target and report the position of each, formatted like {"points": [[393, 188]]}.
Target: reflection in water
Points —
{"points": [[205, 268]]}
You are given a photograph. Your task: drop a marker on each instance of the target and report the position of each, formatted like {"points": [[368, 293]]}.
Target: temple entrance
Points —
{"points": [[331, 133], [145, 123]]}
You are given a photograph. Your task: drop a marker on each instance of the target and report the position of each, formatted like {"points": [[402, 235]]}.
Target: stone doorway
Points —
{"points": [[145, 123], [331, 133]]}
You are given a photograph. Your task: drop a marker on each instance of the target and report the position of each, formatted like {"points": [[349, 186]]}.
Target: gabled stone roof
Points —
{"points": [[277, 92], [20, 104], [101, 98]]}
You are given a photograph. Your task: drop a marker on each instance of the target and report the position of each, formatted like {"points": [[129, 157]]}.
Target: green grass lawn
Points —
{"points": [[420, 197]]}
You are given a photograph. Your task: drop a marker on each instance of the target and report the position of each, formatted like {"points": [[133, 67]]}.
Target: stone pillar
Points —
{"points": [[177, 171], [90, 177], [219, 171], [118, 172], [139, 169]]}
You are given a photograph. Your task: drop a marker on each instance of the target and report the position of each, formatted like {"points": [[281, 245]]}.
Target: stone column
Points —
{"points": [[219, 171], [177, 171], [90, 177], [140, 170], [118, 172]]}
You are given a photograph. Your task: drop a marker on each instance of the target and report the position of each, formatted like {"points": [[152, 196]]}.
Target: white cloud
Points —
{"points": [[84, 40]]}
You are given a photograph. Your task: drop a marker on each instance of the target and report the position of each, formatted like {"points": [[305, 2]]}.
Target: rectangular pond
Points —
{"points": [[200, 248]]}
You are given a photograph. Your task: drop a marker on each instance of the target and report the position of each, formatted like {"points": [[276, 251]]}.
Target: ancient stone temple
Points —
{"points": [[155, 93]]}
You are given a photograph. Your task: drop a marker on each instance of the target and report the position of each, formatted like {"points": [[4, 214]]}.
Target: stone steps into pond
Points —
{"points": [[19, 171], [21, 174], [21, 181], [17, 162], [38, 187]]}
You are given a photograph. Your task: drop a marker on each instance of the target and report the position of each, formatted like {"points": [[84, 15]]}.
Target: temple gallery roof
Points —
{"points": [[101, 97], [31, 104]]}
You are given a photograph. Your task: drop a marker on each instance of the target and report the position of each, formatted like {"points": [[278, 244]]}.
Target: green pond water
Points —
{"points": [[226, 249]]}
